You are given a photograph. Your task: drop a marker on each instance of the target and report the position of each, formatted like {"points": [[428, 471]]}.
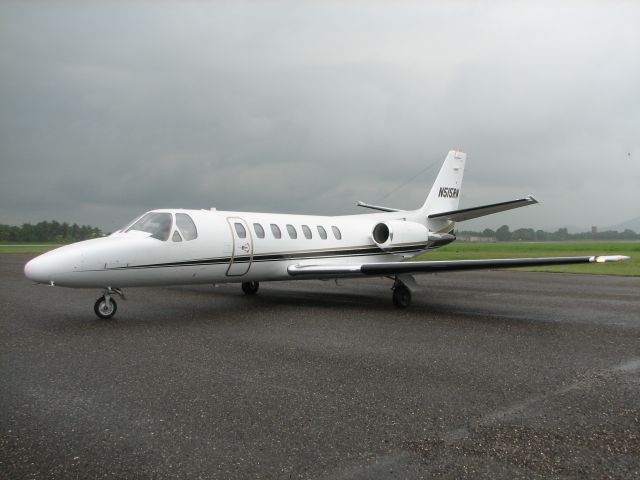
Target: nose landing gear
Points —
{"points": [[106, 307]]}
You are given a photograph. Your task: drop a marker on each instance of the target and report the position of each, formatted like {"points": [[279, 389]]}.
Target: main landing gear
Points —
{"points": [[106, 307], [250, 288], [402, 293]]}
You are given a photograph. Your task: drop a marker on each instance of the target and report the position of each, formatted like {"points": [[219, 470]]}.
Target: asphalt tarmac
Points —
{"points": [[488, 375]]}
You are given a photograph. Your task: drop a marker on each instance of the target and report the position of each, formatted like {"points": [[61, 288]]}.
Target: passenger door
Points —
{"points": [[241, 249]]}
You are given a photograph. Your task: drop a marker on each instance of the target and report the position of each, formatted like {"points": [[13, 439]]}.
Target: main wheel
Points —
{"points": [[250, 288], [104, 308], [401, 296]]}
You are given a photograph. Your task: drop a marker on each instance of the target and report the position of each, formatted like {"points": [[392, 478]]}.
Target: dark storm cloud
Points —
{"points": [[110, 109]]}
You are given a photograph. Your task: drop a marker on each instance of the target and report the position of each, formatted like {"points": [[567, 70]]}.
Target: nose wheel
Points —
{"points": [[106, 307]]}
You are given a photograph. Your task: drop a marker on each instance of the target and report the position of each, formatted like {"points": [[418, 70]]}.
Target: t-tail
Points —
{"points": [[445, 192], [441, 207]]}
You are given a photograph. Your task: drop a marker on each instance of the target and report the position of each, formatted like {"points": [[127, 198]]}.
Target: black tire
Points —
{"points": [[250, 288], [401, 296], [104, 309]]}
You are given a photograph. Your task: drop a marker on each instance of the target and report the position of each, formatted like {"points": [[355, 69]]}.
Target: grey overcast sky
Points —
{"points": [[108, 109]]}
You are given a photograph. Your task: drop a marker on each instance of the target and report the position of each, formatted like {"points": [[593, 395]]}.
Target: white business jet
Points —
{"points": [[178, 247]]}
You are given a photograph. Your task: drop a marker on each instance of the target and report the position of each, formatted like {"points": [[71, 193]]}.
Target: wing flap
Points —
{"points": [[456, 265], [393, 268], [475, 212]]}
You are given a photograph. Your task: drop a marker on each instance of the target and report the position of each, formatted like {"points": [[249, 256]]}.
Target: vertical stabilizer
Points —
{"points": [[445, 193]]}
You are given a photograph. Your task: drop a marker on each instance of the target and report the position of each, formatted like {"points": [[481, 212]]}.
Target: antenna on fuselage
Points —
{"points": [[407, 182]]}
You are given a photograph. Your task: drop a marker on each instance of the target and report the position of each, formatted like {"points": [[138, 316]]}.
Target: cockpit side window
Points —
{"points": [[186, 226], [156, 223], [126, 227]]}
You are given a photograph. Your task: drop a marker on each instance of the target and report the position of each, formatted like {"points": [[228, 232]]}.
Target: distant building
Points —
{"points": [[475, 239], [594, 230]]}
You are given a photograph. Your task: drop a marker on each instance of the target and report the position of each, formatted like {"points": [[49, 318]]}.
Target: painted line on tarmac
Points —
{"points": [[518, 409]]}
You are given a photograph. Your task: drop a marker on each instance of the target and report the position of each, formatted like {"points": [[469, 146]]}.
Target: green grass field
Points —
{"points": [[460, 251], [471, 251], [27, 247]]}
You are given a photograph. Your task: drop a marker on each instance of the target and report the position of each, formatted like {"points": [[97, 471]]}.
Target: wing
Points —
{"points": [[475, 212], [393, 268]]}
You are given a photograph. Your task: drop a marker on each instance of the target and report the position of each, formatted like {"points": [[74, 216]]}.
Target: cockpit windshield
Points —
{"points": [[156, 223]]}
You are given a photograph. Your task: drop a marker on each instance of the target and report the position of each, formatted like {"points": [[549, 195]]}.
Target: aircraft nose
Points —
{"points": [[53, 266], [37, 270]]}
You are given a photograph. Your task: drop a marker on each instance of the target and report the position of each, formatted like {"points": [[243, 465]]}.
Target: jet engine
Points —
{"points": [[394, 233]]}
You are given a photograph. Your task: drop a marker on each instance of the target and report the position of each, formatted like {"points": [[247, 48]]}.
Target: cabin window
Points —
{"points": [[306, 230], [176, 236], [240, 230], [156, 223], [186, 226], [336, 233], [322, 232], [259, 230], [292, 231], [275, 229]]}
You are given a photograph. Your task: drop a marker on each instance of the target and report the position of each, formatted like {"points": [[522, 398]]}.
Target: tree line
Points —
{"points": [[48, 232], [55, 232], [504, 234]]}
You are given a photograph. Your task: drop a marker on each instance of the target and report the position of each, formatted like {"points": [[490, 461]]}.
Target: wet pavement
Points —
{"points": [[488, 375]]}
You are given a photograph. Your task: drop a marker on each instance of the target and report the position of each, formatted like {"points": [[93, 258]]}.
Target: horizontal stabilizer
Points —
{"points": [[377, 207], [393, 268], [475, 212]]}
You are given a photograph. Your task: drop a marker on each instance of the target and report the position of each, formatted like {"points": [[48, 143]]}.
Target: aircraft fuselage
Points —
{"points": [[229, 247]]}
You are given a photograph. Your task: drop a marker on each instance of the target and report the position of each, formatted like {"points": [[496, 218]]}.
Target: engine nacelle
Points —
{"points": [[394, 233]]}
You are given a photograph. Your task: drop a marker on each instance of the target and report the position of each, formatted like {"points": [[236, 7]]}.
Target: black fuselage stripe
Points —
{"points": [[271, 257]]}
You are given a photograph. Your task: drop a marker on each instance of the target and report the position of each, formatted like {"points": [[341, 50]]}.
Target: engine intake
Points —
{"points": [[396, 233]]}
